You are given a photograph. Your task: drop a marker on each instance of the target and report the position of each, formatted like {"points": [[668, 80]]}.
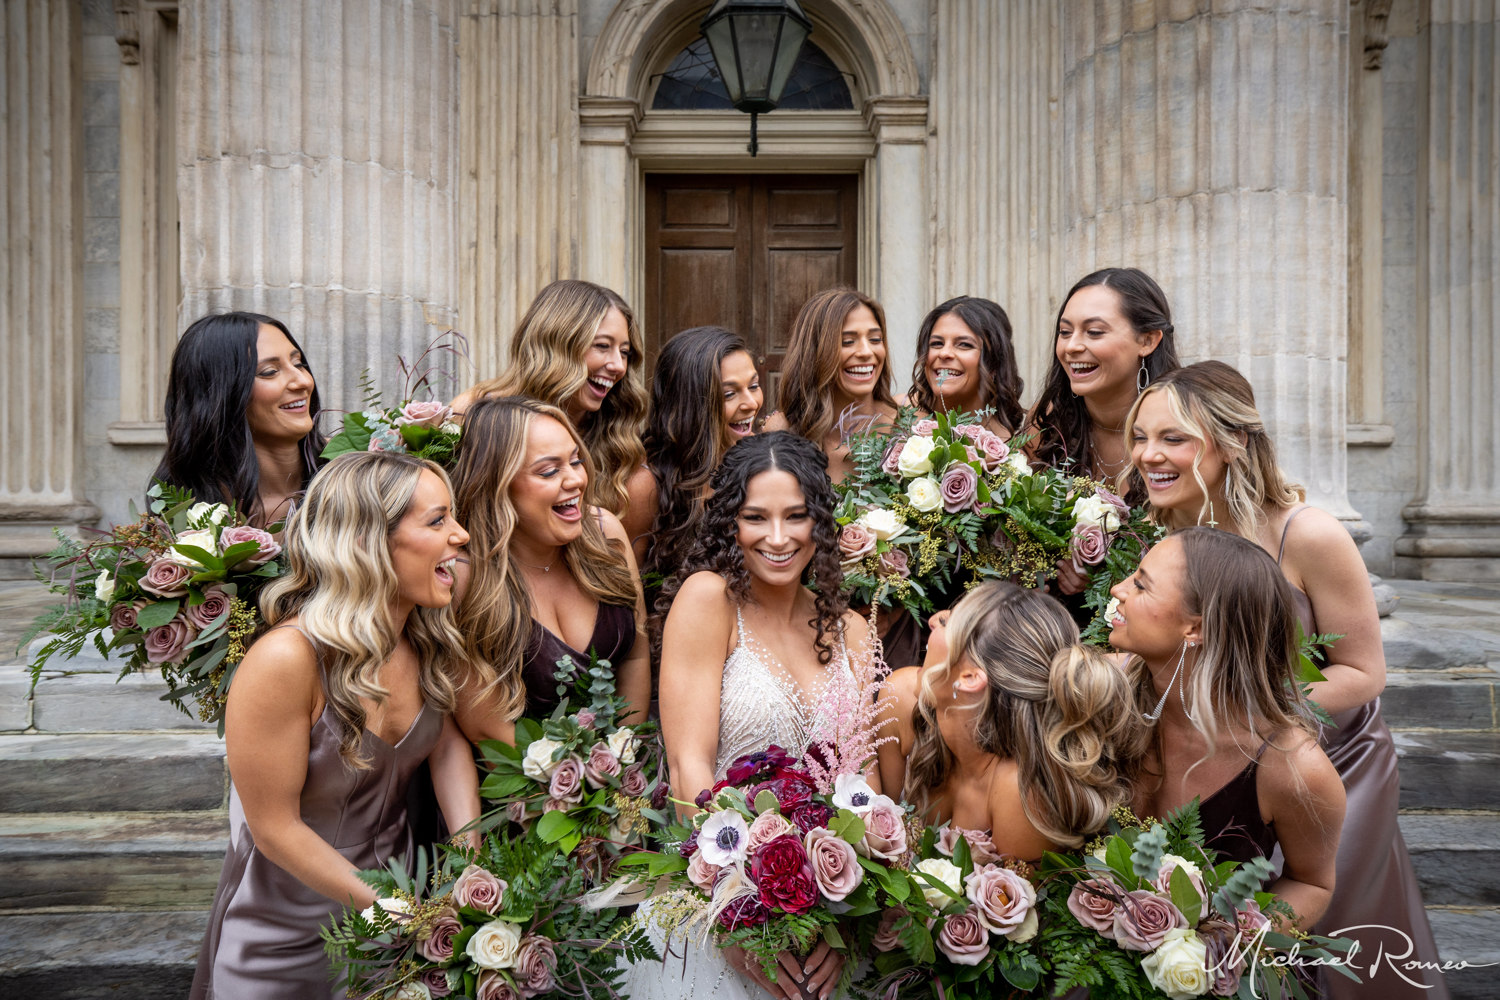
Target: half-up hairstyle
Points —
{"points": [[717, 547], [812, 362], [495, 614], [1059, 709], [1212, 402], [547, 355], [999, 376], [340, 582]]}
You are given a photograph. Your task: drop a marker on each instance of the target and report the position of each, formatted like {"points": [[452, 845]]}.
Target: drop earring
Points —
{"points": [[1142, 378], [955, 690]]}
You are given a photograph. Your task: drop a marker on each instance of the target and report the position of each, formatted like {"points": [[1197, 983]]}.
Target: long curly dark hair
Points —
{"points": [[717, 548], [999, 375]]}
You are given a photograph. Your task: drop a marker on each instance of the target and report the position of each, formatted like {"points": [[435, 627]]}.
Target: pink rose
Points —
{"points": [[1121, 507], [269, 549], [981, 847], [166, 579], [1251, 921], [438, 946], [536, 965], [924, 427], [855, 542], [601, 766], [633, 780], [555, 805], [835, 866], [567, 780], [1225, 960], [963, 939], [428, 414], [970, 431], [122, 616], [1094, 901], [960, 487], [515, 811], [585, 718], [766, 828], [885, 831], [436, 981], [1143, 919], [1003, 901], [1163, 882], [1089, 544], [890, 462], [479, 889], [993, 451], [165, 643], [887, 937], [893, 562], [494, 986], [215, 603], [702, 873]]}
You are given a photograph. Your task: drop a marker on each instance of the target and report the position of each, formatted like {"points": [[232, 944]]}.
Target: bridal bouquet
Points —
{"points": [[424, 428], [174, 590], [1147, 910]]}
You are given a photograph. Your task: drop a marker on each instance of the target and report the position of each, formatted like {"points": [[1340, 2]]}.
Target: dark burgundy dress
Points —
{"points": [[612, 639], [1231, 820]]}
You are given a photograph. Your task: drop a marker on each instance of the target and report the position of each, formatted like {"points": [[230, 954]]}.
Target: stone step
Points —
{"points": [[1449, 770], [1463, 698], [83, 956], [1456, 856], [90, 702], [131, 772], [1412, 646], [1467, 935], [131, 861]]}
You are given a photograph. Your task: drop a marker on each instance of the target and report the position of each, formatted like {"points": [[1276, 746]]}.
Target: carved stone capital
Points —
{"points": [[1377, 14], [128, 31]]}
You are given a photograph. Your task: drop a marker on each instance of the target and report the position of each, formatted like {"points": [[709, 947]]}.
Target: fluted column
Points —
{"points": [[996, 163], [41, 265], [1455, 519], [897, 213], [1206, 141], [606, 183], [519, 151], [317, 176]]}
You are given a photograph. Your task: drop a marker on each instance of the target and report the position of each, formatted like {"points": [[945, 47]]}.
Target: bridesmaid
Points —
{"points": [[1213, 627], [552, 577], [836, 380], [1200, 450], [331, 711], [966, 362], [241, 413], [1020, 737], [578, 349]]}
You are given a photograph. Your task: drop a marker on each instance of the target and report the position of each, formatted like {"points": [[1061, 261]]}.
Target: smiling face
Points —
{"points": [[425, 546], [607, 359], [1163, 451], [1150, 619], [953, 363], [740, 384], [775, 528], [548, 491], [282, 393], [861, 355], [1096, 345]]}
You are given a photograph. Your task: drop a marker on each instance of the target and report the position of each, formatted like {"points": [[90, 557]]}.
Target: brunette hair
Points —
{"points": [[210, 449], [495, 613], [547, 363], [1064, 431], [999, 376], [1059, 709], [716, 547], [812, 362], [340, 582]]}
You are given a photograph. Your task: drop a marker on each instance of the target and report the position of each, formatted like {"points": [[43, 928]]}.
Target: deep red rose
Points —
{"points": [[761, 764], [744, 911], [782, 870], [689, 846], [791, 788], [811, 816]]}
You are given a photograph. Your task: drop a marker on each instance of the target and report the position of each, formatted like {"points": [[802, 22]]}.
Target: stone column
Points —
{"points": [[519, 152], [1206, 141], [1455, 519], [41, 267], [898, 211], [317, 176], [996, 164], [606, 200]]}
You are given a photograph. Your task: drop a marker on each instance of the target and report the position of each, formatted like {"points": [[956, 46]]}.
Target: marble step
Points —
{"points": [[84, 956], [1424, 646], [1449, 770], [1456, 856], [112, 772]]}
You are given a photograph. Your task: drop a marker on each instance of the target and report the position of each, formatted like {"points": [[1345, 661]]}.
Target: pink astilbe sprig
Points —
{"points": [[847, 731]]}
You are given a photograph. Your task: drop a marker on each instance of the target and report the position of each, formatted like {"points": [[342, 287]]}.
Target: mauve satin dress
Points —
{"points": [[262, 941]]}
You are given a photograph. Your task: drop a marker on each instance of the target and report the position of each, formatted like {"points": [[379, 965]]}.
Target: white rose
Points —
{"points": [[495, 945], [202, 514], [1027, 930], [622, 744], [945, 872], [538, 763], [916, 457], [1179, 968], [1170, 861], [104, 587], [883, 524], [203, 538], [1092, 510], [413, 991], [393, 907], [925, 494], [449, 427], [1018, 464]]}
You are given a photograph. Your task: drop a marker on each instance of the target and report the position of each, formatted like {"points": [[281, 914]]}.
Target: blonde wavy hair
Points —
{"points": [[812, 362], [495, 614], [1211, 401], [340, 581], [547, 363], [1059, 709]]}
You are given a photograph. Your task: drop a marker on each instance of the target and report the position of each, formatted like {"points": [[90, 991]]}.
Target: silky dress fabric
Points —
{"points": [[1375, 881], [759, 706], [1231, 820], [262, 941], [612, 639]]}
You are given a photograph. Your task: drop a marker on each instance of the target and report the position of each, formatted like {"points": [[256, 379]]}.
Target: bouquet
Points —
{"points": [[1147, 910], [175, 590], [424, 428]]}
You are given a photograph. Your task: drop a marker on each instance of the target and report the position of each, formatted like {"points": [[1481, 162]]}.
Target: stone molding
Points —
{"points": [[607, 121], [896, 119]]}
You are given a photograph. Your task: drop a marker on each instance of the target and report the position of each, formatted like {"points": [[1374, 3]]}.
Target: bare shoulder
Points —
{"points": [[703, 593], [610, 523], [1294, 763], [1318, 545], [856, 630], [462, 402], [281, 665], [776, 422], [905, 685], [642, 482]]}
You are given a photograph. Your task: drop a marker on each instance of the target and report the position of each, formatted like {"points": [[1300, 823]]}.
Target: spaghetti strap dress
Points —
{"points": [[1231, 820], [612, 639], [1375, 889], [262, 941]]}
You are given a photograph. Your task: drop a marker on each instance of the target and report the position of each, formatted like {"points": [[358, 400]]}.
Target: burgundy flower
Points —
{"points": [[744, 911], [782, 870], [215, 603], [633, 780], [791, 788], [659, 795], [689, 846], [760, 764], [810, 816]]}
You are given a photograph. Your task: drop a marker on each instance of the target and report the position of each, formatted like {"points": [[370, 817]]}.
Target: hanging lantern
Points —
{"points": [[755, 44]]}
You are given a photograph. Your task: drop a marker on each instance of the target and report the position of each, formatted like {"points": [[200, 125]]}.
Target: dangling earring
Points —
{"points": [[1142, 378], [1228, 489], [955, 690], [1155, 713]]}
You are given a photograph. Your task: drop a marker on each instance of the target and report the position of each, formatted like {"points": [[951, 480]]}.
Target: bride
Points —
{"points": [[739, 602]]}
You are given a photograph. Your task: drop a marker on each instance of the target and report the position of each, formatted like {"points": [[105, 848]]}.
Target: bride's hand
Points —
{"points": [[822, 969], [787, 985]]}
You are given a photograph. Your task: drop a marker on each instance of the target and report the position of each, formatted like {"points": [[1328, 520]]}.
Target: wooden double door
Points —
{"points": [[745, 252]]}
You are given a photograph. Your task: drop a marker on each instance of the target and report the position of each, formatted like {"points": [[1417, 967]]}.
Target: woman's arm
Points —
{"points": [[1300, 792], [695, 640], [1322, 558], [900, 697], [455, 780], [267, 734], [633, 677], [480, 718], [641, 491]]}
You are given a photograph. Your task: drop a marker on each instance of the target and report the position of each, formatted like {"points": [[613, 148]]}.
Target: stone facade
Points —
{"points": [[1312, 181]]}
